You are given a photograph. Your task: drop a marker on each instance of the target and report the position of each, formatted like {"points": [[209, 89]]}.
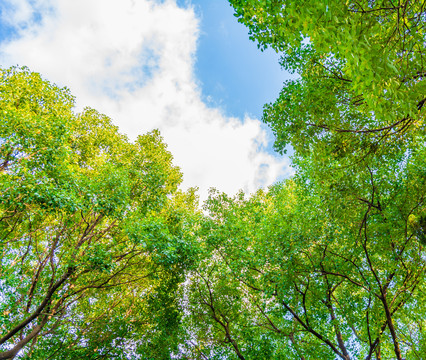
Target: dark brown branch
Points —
{"points": [[313, 332], [41, 307]]}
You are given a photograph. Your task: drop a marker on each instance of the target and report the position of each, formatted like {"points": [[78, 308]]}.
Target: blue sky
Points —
{"points": [[232, 70], [187, 68]]}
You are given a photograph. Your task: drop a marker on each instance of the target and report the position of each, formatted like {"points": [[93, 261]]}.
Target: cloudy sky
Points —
{"points": [[184, 67]]}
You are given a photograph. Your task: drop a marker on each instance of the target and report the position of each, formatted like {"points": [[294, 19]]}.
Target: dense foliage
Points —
{"points": [[361, 71], [331, 263], [303, 272], [103, 257], [94, 234]]}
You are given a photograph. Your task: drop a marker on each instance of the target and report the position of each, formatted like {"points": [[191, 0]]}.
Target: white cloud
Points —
{"points": [[134, 61]]}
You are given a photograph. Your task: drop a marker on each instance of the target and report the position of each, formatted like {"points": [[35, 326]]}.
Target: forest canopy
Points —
{"points": [[103, 257], [95, 234]]}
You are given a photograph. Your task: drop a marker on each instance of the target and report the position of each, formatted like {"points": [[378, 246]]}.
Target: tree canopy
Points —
{"points": [[102, 256], [329, 264], [361, 83], [95, 235]]}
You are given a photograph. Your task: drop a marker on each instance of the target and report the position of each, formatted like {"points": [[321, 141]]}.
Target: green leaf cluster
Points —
{"points": [[329, 264], [95, 236]]}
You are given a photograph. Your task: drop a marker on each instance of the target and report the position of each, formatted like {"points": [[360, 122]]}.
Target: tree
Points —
{"points": [[92, 230], [330, 264], [298, 273], [361, 85]]}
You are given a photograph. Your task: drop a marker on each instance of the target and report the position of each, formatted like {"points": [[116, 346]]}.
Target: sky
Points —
{"points": [[185, 67]]}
